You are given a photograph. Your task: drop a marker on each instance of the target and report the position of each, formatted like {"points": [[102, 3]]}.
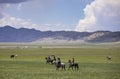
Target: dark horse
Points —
{"points": [[108, 57], [61, 65], [12, 56], [49, 60], [73, 65]]}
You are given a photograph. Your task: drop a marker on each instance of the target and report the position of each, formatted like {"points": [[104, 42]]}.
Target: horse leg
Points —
{"points": [[64, 68], [56, 68], [72, 67], [12, 56], [47, 62], [77, 67], [68, 67]]}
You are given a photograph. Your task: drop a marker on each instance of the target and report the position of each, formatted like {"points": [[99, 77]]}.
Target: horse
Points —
{"points": [[13, 56], [108, 57], [49, 60], [61, 65], [73, 65]]}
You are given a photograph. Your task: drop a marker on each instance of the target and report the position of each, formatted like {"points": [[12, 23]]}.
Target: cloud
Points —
{"points": [[7, 3], [1, 14], [6, 19], [19, 7], [54, 27], [17, 22], [100, 15], [12, 1]]}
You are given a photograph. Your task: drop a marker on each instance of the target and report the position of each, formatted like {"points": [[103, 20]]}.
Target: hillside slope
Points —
{"points": [[10, 34]]}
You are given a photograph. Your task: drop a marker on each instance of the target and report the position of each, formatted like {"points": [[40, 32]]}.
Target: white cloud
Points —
{"points": [[6, 19], [55, 27], [21, 23], [19, 7], [100, 15], [12, 1], [16, 22]]}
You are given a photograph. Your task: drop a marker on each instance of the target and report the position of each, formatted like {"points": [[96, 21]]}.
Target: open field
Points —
{"points": [[70, 44], [30, 63]]}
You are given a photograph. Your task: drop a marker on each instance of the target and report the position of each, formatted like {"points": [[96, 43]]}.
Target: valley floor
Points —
{"points": [[30, 62]]}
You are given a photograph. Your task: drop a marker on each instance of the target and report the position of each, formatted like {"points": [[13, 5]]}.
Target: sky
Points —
{"points": [[57, 15]]}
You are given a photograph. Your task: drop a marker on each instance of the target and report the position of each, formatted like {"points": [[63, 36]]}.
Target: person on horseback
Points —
{"points": [[54, 58], [49, 59], [70, 62], [73, 64], [59, 62], [73, 61]]}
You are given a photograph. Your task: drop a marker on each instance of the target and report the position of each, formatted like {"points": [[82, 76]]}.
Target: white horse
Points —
{"points": [[62, 65]]}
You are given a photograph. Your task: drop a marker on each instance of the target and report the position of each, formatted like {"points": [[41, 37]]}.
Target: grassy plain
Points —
{"points": [[30, 63]]}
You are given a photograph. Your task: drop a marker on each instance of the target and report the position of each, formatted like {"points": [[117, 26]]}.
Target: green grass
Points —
{"points": [[39, 70], [30, 63]]}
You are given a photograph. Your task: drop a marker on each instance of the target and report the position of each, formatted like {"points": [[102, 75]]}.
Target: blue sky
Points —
{"points": [[71, 15]]}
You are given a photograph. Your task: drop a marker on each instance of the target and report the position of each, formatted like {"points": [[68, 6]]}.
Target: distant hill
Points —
{"points": [[10, 34]]}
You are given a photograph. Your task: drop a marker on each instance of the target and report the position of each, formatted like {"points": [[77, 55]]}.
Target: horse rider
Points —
{"points": [[54, 58], [70, 62], [49, 58], [73, 61], [59, 62]]}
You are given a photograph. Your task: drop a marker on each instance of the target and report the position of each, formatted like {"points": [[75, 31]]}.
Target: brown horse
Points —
{"points": [[73, 65]]}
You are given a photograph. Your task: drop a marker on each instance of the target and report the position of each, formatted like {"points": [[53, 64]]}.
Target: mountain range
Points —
{"points": [[10, 34]]}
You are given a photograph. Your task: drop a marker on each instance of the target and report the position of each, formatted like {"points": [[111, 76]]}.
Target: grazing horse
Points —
{"points": [[108, 57], [62, 65], [71, 65], [13, 56]]}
